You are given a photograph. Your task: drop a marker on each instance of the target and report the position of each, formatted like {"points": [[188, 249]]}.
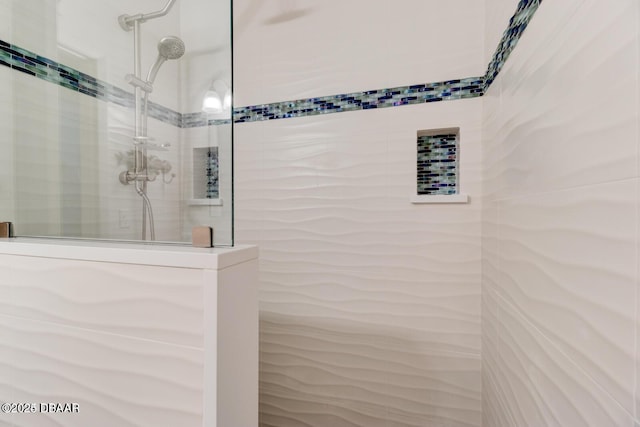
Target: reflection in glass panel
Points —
{"points": [[104, 120]]}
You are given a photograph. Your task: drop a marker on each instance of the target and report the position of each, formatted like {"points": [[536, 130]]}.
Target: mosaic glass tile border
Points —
{"points": [[437, 164], [381, 98], [193, 120], [517, 24], [30, 63], [404, 95]]}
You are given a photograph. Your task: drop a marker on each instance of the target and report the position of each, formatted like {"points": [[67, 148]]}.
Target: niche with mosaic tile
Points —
{"points": [[437, 166], [205, 175]]}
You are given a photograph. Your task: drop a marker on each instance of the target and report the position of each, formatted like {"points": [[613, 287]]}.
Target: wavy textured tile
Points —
{"points": [[560, 253], [363, 373], [309, 66], [543, 387], [495, 411], [132, 301], [552, 126], [359, 327], [565, 269], [115, 380]]}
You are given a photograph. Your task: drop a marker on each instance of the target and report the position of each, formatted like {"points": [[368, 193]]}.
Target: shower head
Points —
{"points": [[169, 47]]}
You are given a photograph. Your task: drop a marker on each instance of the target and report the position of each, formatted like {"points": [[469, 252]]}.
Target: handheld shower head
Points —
{"points": [[169, 47]]}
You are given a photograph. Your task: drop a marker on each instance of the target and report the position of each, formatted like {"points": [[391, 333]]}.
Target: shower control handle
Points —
{"points": [[124, 178], [127, 177]]}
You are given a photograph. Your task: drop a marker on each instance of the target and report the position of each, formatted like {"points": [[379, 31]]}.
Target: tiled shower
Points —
{"points": [[387, 298], [518, 308], [70, 111]]}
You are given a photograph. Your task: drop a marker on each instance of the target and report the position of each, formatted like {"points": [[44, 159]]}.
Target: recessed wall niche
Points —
{"points": [[438, 167], [205, 176]]}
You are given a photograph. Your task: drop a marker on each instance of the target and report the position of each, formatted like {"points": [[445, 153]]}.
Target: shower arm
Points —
{"points": [[127, 21]]}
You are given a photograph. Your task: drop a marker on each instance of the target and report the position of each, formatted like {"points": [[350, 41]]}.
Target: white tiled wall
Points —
{"points": [[113, 378], [6, 15], [369, 304], [131, 342], [102, 342], [293, 49], [497, 14], [560, 221], [205, 27], [36, 125]]}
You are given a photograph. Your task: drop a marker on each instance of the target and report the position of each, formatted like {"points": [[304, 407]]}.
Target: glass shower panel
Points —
{"points": [[102, 140]]}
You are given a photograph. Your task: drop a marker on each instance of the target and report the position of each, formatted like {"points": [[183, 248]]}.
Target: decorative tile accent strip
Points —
{"points": [[517, 24], [27, 62], [164, 114], [438, 164], [404, 95], [193, 120]]}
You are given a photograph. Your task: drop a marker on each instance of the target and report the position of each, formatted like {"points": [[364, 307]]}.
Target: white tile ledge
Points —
{"points": [[205, 202], [440, 198], [129, 253]]}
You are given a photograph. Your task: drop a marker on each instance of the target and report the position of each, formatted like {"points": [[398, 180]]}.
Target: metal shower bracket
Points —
{"points": [[127, 22]]}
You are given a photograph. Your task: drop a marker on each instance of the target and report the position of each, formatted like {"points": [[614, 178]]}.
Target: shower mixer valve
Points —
{"points": [[151, 167]]}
